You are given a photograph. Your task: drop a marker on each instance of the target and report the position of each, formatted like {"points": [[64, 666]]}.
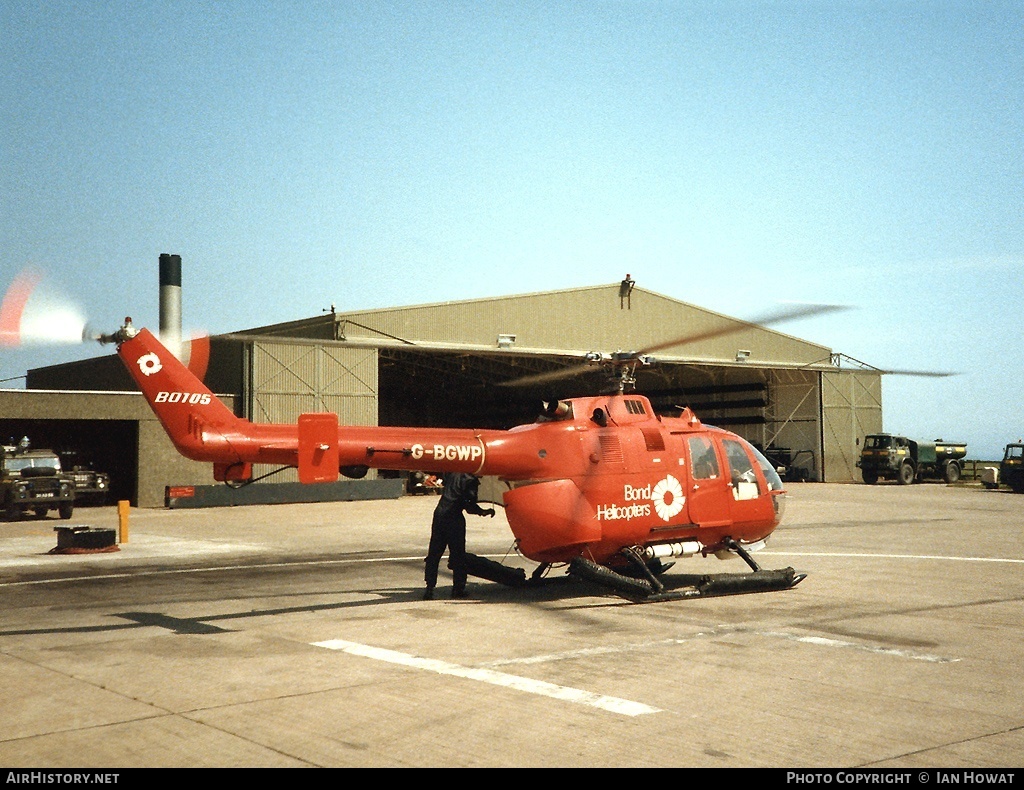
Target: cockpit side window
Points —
{"points": [[741, 471], [740, 467], [703, 461]]}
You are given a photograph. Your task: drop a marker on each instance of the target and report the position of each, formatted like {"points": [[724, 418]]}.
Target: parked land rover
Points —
{"points": [[91, 487], [32, 480]]}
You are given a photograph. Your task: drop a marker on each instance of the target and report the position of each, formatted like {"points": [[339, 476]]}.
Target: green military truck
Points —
{"points": [[885, 456], [33, 480], [1010, 472], [1011, 468]]}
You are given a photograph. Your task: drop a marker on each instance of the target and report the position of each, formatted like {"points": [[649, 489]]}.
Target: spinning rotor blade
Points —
{"points": [[13, 306], [549, 376], [774, 317], [767, 319], [933, 374], [195, 353], [30, 315]]}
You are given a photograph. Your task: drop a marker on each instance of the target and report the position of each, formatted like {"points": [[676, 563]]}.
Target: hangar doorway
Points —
{"points": [[778, 410], [110, 446]]}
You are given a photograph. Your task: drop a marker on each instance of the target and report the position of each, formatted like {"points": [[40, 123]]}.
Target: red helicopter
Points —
{"points": [[601, 484]]}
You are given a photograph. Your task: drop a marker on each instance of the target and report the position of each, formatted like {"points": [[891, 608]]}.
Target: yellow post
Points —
{"points": [[122, 521]]}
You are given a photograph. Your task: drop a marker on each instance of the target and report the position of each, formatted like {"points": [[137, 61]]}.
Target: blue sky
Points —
{"points": [[729, 154]]}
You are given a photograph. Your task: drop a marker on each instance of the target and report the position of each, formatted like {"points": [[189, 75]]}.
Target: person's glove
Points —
{"points": [[490, 512]]}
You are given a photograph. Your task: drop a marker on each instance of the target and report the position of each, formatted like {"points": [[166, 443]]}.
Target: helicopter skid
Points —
{"points": [[688, 586], [712, 585]]}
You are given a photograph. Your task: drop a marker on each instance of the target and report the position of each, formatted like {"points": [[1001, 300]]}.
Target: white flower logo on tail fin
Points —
{"points": [[149, 364]]}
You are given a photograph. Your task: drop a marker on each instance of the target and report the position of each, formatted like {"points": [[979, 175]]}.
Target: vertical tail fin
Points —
{"points": [[198, 423]]}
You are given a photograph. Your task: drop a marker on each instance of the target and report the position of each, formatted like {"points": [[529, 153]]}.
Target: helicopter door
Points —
{"points": [[708, 497]]}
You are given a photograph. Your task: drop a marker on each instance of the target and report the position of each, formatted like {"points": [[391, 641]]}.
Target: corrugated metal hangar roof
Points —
{"points": [[566, 323]]}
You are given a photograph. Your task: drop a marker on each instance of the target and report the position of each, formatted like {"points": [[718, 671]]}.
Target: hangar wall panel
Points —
{"points": [[851, 408], [161, 465], [288, 380]]}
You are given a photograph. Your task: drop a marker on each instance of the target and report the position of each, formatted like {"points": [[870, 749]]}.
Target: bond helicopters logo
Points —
{"points": [[666, 496]]}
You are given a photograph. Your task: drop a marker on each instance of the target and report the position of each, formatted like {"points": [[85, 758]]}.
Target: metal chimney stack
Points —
{"points": [[170, 303]]}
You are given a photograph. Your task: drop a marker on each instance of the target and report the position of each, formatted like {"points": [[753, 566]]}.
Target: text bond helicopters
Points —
{"points": [[601, 484]]}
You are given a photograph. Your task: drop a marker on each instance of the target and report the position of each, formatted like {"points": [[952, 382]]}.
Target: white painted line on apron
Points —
{"points": [[611, 704], [886, 651], [866, 556], [819, 641]]}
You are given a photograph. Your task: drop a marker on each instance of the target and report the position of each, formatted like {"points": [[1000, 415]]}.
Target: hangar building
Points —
{"points": [[449, 364]]}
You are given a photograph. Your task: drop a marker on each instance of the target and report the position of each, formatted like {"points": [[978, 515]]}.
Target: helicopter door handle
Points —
{"points": [[695, 486]]}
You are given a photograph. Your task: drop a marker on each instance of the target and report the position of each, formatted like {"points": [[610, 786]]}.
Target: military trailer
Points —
{"points": [[33, 480], [885, 456]]}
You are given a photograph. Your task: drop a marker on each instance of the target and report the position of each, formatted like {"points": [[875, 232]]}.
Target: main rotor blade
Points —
{"points": [[548, 376], [780, 315], [774, 317], [933, 374]]}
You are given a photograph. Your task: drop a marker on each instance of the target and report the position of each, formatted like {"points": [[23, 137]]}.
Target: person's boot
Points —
{"points": [[428, 594], [459, 592]]}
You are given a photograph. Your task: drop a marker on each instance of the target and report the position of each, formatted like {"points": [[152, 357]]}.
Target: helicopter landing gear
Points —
{"points": [[642, 568], [606, 577], [539, 571], [648, 588], [732, 545]]}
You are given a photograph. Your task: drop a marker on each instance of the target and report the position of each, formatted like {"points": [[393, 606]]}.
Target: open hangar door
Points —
{"points": [[777, 410], [109, 446], [467, 389], [851, 408]]}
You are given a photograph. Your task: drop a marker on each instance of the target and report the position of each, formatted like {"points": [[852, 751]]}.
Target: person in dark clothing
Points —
{"points": [[448, 530]]}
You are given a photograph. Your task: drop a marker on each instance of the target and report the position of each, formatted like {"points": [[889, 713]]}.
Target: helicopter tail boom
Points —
{"points": [[203, 428]]}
